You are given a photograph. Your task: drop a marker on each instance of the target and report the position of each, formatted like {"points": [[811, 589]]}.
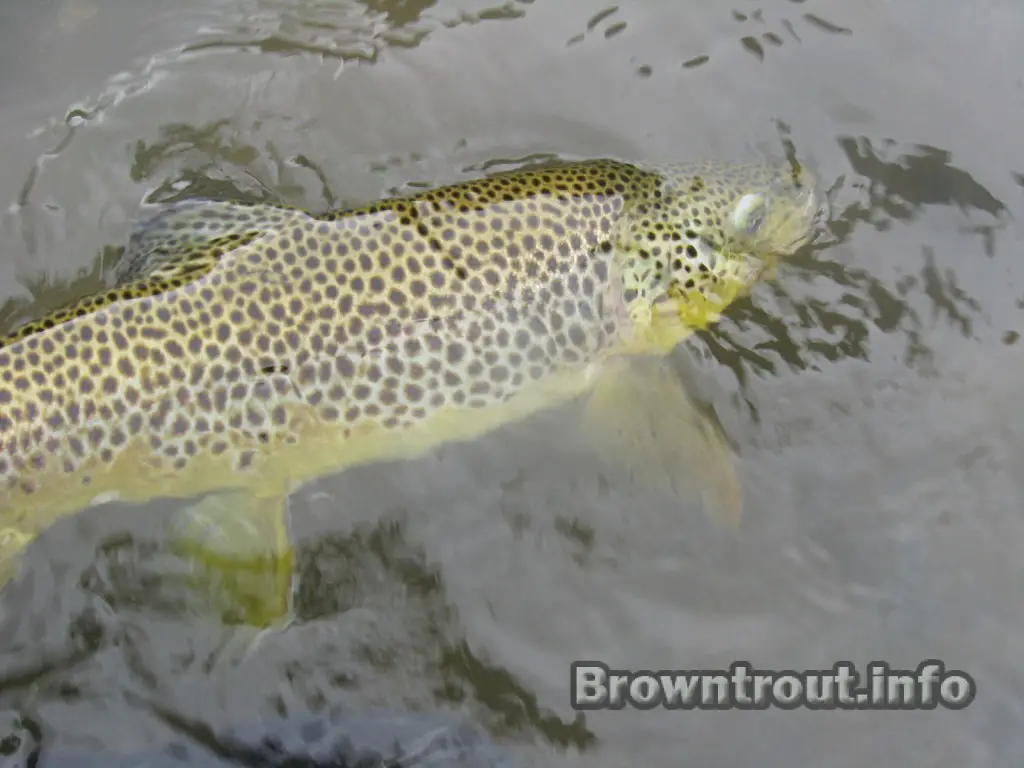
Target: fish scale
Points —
{"points": [[261, 346]]}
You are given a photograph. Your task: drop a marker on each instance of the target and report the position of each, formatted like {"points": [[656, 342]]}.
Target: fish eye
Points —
{"points": [[750, 213]]}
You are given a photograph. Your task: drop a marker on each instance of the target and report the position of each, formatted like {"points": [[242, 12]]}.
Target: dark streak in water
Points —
{"points": [[756, 15], [925, 178], [595, 21], [497, 14], [987, 233], [501, 692], [614, 29], [754, 47], [946, 294], [827, 26], [273, 44], [592, 24], [695, 62], [498, 164]]}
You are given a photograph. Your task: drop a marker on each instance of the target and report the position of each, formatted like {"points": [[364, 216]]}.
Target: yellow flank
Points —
{"points": [[257, 347]]}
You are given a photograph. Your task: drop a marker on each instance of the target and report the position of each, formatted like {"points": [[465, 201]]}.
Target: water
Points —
{"points": [[871, 392]]}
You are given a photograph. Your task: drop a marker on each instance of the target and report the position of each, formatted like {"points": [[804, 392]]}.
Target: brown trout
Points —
{"points": [[247, 349]]}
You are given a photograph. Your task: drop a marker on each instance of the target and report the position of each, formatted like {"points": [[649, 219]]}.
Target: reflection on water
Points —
{"points": [[399, 624], [886, 526], [212, 162], [349, 32], [900, 188]]}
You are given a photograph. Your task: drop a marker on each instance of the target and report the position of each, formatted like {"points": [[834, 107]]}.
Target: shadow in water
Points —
{"points": [[215, 161], [333, 575], [761, 31], [901, 187], [398, 13], [374, 593]]}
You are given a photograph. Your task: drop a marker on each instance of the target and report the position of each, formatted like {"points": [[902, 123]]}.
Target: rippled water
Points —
{"points": [[871, 392]]}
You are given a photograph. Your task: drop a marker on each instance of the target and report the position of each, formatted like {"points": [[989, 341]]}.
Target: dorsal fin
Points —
{"points": [[182, 267], [172, 241]]}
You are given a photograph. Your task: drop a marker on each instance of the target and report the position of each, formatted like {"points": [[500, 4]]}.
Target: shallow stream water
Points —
{"points": [[871, 392]]}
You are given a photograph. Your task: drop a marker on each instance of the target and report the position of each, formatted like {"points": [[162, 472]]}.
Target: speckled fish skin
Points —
{"points": [[260, 346]]}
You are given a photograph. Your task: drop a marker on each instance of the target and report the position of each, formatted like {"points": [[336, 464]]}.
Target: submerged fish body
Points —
{"points": [[258, 347]]}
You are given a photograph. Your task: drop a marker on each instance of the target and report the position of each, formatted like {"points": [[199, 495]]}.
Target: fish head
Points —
{"points": [[770, 210], [709, 231]]}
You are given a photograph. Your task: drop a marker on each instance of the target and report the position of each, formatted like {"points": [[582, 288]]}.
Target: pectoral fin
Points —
{"points": [[641, 418], [240, 551], [12, 543]]}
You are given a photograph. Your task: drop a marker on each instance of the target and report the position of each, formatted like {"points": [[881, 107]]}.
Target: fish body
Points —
{"points": [[257, 347]]}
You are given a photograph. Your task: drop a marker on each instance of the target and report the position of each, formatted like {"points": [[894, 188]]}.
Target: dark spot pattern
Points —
{"points": [[227, 337]]}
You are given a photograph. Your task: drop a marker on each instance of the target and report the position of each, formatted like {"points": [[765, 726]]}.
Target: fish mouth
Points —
{"points": [[808, 222], [816, 211], [820, 211]]}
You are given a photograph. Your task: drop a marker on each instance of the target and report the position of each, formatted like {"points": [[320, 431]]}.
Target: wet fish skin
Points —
{"points": [[256, 347]]}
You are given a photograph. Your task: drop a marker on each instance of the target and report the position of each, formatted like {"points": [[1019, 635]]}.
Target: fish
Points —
{"points": [[246, 349]]}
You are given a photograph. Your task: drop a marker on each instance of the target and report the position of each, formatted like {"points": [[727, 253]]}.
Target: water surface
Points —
{"points": [[871, 392]]}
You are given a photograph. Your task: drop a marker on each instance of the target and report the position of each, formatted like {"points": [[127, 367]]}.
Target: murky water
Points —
{"points": [[871, 392]]}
